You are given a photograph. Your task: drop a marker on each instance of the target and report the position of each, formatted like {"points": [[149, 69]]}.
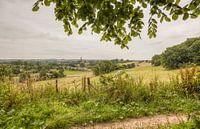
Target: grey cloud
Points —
{"points": [[24, 34]]}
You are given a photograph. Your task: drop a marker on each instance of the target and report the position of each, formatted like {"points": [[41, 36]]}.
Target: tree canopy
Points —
{"points": [[177, 56], [118, 20]]}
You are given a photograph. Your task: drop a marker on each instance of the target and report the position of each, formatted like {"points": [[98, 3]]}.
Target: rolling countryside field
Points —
{"points": [[100, 64], [141, 94]]}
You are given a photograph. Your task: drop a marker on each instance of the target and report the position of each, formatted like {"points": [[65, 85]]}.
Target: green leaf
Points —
{"points": [[191, 7], [144, 5], [174, 17], [167, 19], [47, 2], [162, 18], [185, 16], [170, 1], [74, 23], [193, 16], [177, 2], [102, 15], [35, 8]]}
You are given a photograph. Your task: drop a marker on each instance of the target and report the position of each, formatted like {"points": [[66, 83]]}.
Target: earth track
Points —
{"points": [[151, 122]]}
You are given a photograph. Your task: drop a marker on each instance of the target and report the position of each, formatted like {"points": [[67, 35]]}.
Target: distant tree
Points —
{"points": [[61, 73], [82, 64], [131, 65], [115, 61], [5, 71], [15, 70], [156, 60], [104, 67], [111, 17], [175, 57], [125, 66], [194, 51], [43, 74], [24, 76]]}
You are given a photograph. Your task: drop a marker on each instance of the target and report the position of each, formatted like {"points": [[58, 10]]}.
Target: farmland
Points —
{"points": [[100, 64], [145, 72], [118, 95]]}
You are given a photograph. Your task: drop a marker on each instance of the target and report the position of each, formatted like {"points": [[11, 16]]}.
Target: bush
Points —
{"points": [[104, 67], [190, 83]]}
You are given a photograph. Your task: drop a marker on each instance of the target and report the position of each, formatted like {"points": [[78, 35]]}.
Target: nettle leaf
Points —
{"points": [[111, 17]]}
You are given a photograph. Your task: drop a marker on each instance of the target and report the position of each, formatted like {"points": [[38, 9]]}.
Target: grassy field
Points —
{"points": [[148, 73], [144, 72], [73, 72], [72, 79], [113, 98]]}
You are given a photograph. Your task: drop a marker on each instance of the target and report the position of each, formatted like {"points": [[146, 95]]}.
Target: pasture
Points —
{"points": [[111, 97], [144, 72]]}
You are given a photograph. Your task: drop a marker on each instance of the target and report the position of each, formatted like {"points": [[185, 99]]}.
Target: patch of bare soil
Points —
{"points": [[144, 122]]}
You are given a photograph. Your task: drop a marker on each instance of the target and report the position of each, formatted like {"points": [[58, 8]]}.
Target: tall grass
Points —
{"points": [[114, 97]]}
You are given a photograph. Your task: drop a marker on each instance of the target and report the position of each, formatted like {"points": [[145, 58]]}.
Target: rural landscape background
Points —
{"points": [[49, 80]]}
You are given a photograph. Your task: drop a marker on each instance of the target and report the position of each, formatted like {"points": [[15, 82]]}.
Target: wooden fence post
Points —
{"points": [[84, 83], [88, 83], [56, 85]]}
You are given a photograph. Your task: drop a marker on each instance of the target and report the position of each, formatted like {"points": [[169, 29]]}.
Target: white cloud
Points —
{"points": [[24, 34]]}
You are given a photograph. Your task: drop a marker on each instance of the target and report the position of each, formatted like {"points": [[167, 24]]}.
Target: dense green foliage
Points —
{"points": [[4, 71], [156, 60], [51, 69], [111, 17], [180, 55], [39, 69], [115, 97], [106, 66]]}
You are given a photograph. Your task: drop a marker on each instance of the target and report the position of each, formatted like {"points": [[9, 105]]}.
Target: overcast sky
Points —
{"points": [[24, 34]]}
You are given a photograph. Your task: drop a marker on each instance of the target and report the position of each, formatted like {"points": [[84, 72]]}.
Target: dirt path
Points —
{"points": [[144, 122]]}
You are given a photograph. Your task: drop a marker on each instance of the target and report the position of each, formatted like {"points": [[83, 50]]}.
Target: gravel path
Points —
{"points": [[135, 123]]}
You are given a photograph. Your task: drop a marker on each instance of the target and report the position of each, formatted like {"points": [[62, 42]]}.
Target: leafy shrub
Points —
{"points": [[122, 88], [104, 67], [189, 81]]}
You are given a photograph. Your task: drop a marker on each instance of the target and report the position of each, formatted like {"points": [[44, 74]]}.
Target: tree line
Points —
{"points": [[186, 53], [107, 66]]}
